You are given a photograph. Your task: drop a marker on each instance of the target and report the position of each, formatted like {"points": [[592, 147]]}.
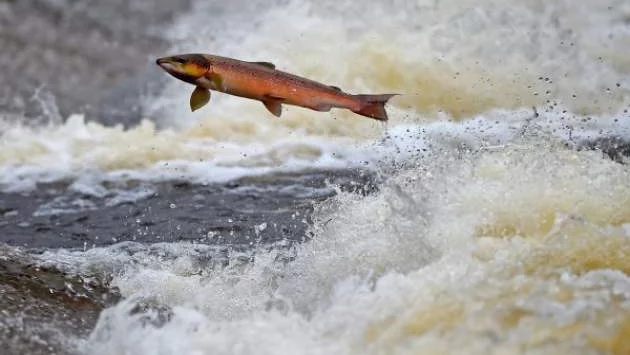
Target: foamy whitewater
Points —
{"points": [[491, 235]]}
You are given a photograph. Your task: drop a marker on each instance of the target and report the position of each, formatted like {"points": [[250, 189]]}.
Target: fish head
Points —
{"points": [[187, 67]]}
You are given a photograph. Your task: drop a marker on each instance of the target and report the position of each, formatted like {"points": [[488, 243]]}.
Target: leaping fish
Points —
{"points": [[263, 82]]}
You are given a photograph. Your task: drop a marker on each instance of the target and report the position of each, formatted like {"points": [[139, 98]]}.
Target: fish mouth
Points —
{"points": [[166, 64], [174, 67]]}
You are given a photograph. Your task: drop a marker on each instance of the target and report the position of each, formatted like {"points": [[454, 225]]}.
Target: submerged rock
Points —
{"points": [[44, 309]]}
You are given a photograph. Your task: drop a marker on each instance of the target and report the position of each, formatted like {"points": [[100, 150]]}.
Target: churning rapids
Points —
{"points": [[491, 215]]}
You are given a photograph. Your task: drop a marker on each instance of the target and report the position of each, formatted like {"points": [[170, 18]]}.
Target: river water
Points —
{"points": [[490, 215]]}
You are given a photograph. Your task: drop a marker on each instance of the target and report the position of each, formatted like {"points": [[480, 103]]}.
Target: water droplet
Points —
{"points": [[260, 227]]}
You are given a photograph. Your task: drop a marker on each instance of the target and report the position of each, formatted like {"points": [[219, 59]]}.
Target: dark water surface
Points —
{"points": [[54, 216], [38, 304]]}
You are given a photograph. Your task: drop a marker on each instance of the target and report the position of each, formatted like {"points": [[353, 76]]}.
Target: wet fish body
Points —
{"points": [[263, 82]]}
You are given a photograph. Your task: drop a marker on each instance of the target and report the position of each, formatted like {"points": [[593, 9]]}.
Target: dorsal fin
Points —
{"points": [[265, 64], [335, 87]]}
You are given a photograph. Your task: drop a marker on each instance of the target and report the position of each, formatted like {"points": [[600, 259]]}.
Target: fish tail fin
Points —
{"points": [[373, 106]]}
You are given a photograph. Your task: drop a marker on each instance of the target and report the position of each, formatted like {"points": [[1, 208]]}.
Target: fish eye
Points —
{"points": [[180, 60]]}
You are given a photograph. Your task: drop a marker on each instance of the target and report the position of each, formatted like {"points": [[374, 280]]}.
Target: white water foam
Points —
{"points": [[523, 247]]}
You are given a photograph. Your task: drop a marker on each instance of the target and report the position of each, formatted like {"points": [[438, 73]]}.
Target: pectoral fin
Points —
{"points": [[273, 104], [265, 64], [199, 98], [217, 81]]}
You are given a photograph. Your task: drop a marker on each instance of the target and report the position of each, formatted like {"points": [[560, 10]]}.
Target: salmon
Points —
{"points": [[263, 82]]}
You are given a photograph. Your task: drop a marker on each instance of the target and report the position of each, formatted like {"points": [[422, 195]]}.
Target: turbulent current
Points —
{"points": [[492, 216]]}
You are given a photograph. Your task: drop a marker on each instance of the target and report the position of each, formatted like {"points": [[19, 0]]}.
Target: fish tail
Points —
{"points": [[373, 106]]}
